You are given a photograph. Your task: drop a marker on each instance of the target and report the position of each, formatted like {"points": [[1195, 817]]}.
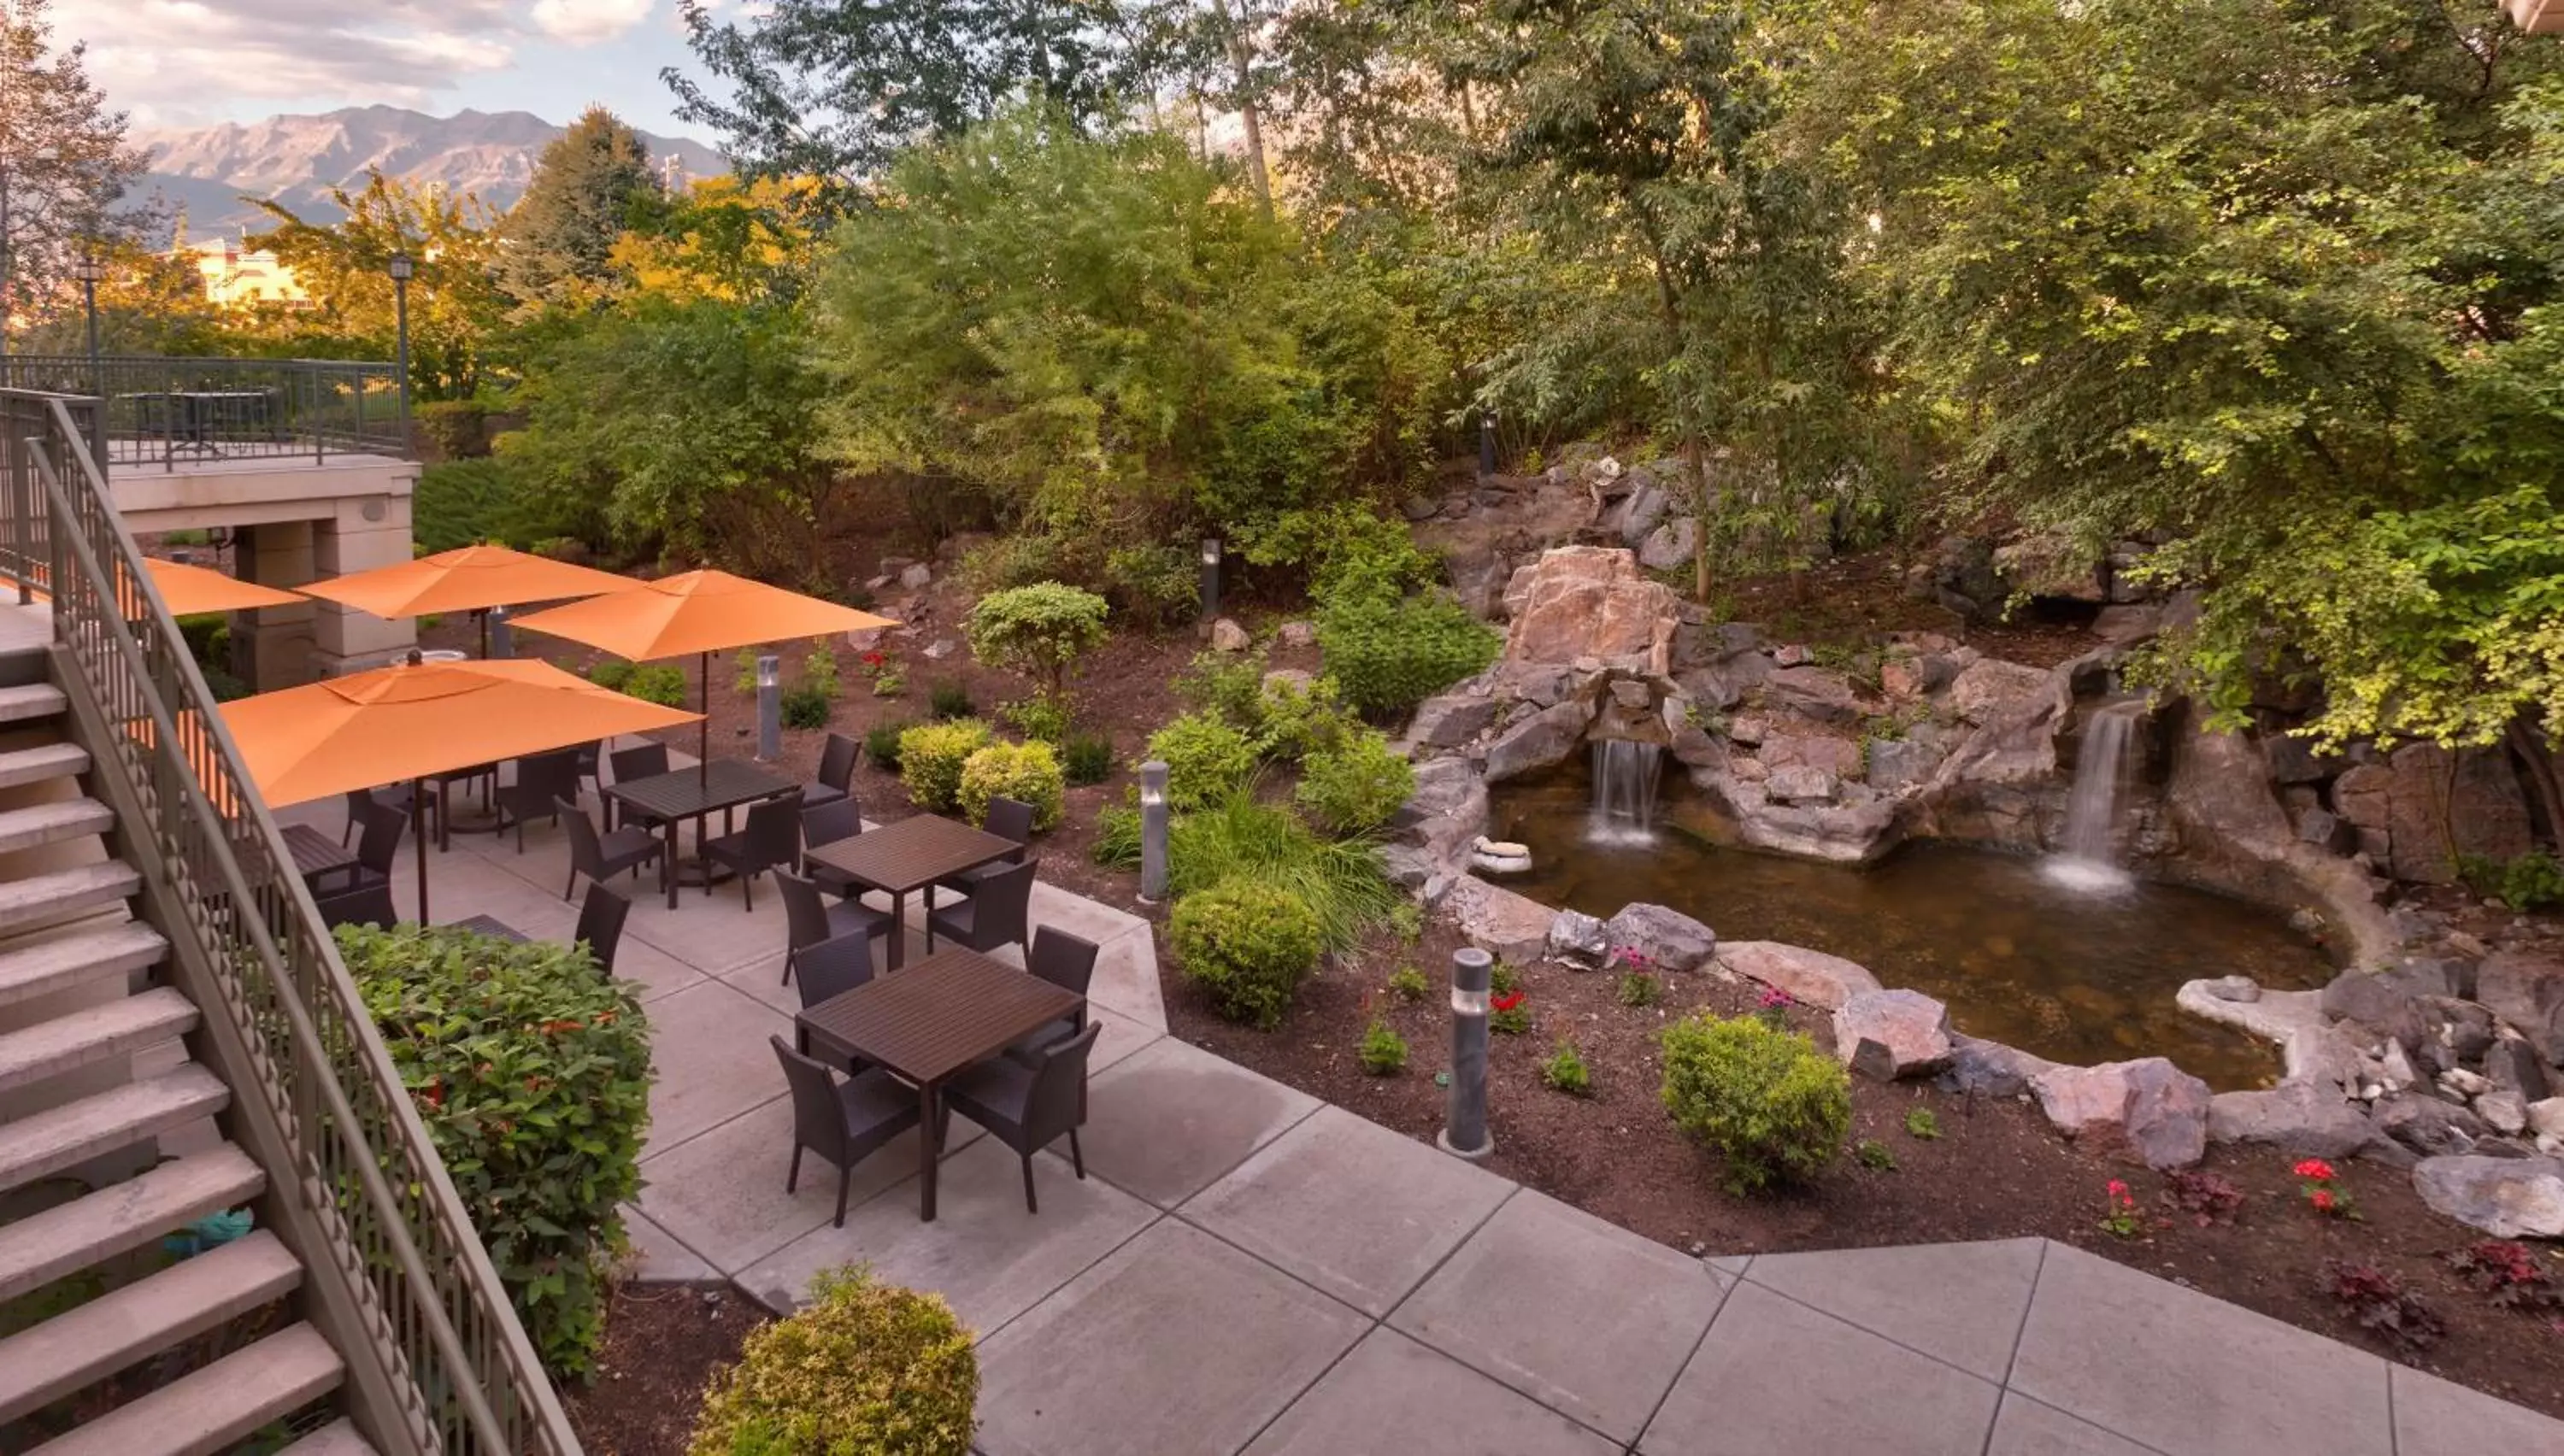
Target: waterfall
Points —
{"points": [[2090, 856], [1625, 788]]}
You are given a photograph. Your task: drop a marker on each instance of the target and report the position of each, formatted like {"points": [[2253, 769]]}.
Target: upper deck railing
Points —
{"points": [[167, 412]]}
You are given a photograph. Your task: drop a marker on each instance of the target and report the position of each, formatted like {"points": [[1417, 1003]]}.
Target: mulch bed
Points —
{"points": [[1997, 1170], [662, 1348]]}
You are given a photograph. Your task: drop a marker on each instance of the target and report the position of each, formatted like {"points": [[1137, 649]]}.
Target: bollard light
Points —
{"points": [[502, 641], [1209, 580], [1464, 1126], [1486, 444], [1153, 831], [769, 706]]}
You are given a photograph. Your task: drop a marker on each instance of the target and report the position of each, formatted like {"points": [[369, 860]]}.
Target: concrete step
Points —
{"points": [[43, 1247], [40, 898], [114, 1029], [31, 700], [44, 1143], [47, 966], [209, 1410], [127, 1325], [338, 1438], [53, 823], [42, 764]]}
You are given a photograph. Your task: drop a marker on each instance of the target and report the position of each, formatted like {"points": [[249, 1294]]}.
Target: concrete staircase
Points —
{"points": [[98, 1091]]}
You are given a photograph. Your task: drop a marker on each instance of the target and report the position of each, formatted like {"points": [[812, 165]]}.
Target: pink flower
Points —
{"points": [[2316, 1168]]}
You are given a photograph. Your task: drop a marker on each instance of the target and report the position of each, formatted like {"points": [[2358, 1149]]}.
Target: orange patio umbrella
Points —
{"points": [[414, 719], [188, 590], [465, 580], [696, 614]]}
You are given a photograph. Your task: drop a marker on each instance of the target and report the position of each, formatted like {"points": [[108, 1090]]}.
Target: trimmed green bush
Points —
{"points": [[531, 1072], [1383, 1052], [865, 1368], [1767, 1099], [1354, 787], [1296, 722], [614, 673], [658, 681], [1160, 585], [1249, 945], [461, 503], [1038, 630], [1228, 687], [1206, 759], [1029, 772], [805, 706], [931, 757], [1388, 656]]}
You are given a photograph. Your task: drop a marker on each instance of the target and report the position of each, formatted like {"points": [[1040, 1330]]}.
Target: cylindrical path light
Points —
{"points": [[1153, 831], [1465, 1126]]}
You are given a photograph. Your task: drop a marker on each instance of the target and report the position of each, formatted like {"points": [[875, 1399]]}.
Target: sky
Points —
{"points": [[189, 62]]}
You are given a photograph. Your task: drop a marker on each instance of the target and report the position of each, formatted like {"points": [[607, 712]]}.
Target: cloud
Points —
{"points": [[585, 22], [179, 61]]}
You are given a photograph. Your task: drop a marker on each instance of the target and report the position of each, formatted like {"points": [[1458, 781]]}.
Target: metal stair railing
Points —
{"points": [[365, 1179]]}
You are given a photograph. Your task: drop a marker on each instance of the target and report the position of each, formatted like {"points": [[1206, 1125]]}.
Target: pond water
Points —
{"points": [[2017, 957]]}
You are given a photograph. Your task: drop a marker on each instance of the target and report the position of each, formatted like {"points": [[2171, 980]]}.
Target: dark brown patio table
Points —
{"points": [[315, 853], [693, 792], [911, 855], [492, 927], [941, 1016]]}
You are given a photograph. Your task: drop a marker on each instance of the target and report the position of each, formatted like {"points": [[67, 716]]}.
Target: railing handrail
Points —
{"points": [[224, 846], [166, 410]]}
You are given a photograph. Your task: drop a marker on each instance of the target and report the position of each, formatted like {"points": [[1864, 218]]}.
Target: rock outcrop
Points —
{"points": [[1810, 978], [2148, 1110], [1891, 1035]]}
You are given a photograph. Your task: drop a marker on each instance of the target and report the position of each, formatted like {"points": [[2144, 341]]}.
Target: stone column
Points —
{"points": [[272, 645], [362, 534]]}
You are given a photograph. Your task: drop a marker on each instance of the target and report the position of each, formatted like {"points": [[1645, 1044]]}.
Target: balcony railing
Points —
{"points": [[167, 412]]}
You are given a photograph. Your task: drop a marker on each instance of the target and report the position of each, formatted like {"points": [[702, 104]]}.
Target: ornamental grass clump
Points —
{"points": [[1775, 1107], [865, 1368], [531, 1072]]}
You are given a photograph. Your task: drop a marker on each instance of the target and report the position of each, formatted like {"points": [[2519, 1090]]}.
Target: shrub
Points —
{"points": [[531, 1072], [1040, 630], [460, 502], [1920, 1124], [1249, 945], [2378, 1302], [931, 757], [1777, 1107], [1409, 983], [819, 670], [1874, 1155], [658, 681], [805, 706], [1088, 758], [1018, 558], [1298, 721], [1227, 686], [453, 428], [1029, 772], [1388, 656], [1565, 1071], [1639, 989], [1354, 787], [746, 665], [1157, 584], [2534, 881], [1383, 1051], [1206, 759], [881, 745], [1116, 838], [949, 700], [614, 673], [1349, 552], [1341, 883], [865, 1368], [1038, 716]]}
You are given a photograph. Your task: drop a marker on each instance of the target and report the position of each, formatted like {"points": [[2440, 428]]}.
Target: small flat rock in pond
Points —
{"points": [[1812, 978], [2508, 1197], [1888, 1035], [2302, 1119], [1579, 939], [2147, 1109], [1668, 939]]}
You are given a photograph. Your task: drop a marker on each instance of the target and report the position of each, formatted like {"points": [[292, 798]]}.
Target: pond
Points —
{"points": [[2019, 957]]}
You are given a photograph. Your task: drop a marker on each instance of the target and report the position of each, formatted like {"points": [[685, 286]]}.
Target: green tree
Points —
{"points": [[560, 235], [456, 309], [727, 237], [63, 165], [835, 88]]}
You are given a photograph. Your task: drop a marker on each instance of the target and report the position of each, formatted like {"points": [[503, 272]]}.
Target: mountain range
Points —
{"points": [[295, 159]]}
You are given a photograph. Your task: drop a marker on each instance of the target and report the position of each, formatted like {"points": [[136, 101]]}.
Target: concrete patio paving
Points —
{"points": [[1248, 1269]]}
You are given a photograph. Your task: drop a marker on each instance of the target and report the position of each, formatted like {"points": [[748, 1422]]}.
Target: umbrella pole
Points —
{"points": [[484, 615], [418, 827], [703, 701]]}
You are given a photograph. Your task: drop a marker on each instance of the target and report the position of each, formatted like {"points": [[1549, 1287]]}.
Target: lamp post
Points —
{"points": [[1153, 831], [1209, 581], [89, 272], [400, 268]]}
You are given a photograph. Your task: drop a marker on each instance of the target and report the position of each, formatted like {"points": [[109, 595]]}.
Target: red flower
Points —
{"points": [[2322, 1199], [1509, 1001], [2316, 1169], [2118, 1189]]}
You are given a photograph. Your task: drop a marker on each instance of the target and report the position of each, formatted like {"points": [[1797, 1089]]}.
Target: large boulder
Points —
{"points": [[1800, 784], [2526, 988], [2050, 564], [1812, 978], [1588, 601], [2297, 1118], [2147, 1109], [1980, 1067], [1816, 693], [1449, 721], [1579, 938], [1668, 939], [2381, 998], [1991, 689], [1893, 1034], [1544, 739], [2429, 1126], [2445, 803], [1670, 545], [2508, 1197], [1506, 925]]}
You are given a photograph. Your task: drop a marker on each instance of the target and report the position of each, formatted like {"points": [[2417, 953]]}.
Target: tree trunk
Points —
{"points": [[1241, 67], [2537, 761]]}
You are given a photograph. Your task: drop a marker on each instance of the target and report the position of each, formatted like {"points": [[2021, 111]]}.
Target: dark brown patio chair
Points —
{"points": [[830, 969], [842, 1122], [603, 857], [378, 846], [370, 906], [600, 925], [544, 782], [770, 841], [1007, 819], [997, 914], [1068, 962], [392, 796], [642, 761], [836, 772], [828, 823], [809, 919], [1028, 1108]]}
